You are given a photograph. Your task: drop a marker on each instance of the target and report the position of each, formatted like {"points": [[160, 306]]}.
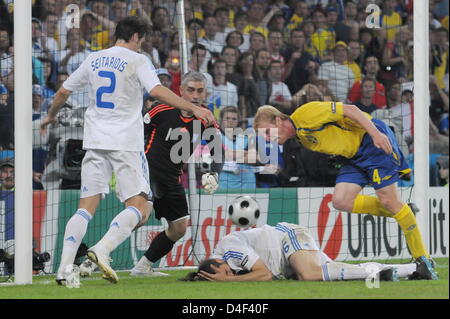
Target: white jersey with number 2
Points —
{"points": [[116, 80]]}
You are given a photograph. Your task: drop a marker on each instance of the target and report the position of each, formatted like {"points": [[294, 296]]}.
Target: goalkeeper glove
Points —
{"points": [[210, 182]]}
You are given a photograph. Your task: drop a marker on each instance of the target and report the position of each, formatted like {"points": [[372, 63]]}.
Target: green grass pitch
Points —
{"points": [[44, 287]]}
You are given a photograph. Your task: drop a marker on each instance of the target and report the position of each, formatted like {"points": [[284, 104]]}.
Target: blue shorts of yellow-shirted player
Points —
{"points": [[372, 166]]}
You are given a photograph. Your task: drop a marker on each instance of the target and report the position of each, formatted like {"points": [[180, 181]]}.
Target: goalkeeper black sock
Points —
{"points": [[159, 247]]}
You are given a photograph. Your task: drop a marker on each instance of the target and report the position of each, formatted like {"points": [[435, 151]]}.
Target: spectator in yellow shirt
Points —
{"points": [[94, 37], [324, 37], [197, 8], [97, 31], [301, 12], [440, 56], [353, 61], [390, 20], [308, 28], [255, 17], [444, 22]]}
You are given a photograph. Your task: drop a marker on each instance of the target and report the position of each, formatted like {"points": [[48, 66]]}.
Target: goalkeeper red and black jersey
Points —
{"points": [[171, 137]]}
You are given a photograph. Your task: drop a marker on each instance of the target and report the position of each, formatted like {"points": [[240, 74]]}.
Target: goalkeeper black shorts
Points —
{"points": [[168, 201]]}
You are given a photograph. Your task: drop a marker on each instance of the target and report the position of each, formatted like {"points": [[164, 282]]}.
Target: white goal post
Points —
{"points": [[23, 140], [421, 114]]}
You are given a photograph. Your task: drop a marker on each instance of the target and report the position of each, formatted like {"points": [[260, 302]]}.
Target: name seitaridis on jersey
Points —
{"points": [[109, 62], [115, 79]]}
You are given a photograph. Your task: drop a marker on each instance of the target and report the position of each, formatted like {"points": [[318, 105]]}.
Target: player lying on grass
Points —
{"points": [[288, 251], [371, 154]]}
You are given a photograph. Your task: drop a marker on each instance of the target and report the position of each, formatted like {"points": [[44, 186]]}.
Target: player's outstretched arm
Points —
{"points": [[379, 139], [259, 272], [60, 98], [165, 95]]}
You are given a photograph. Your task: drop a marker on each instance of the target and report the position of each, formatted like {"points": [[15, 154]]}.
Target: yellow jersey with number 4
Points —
{"points": [[322, 127]]}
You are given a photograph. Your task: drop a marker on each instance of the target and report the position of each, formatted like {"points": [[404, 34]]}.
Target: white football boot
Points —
{"points": [[102, 262], [87, 268], [144, 269]]}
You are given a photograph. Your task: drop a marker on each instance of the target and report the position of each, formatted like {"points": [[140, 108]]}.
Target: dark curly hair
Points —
{"points": [[205, 265], [131, 25]]}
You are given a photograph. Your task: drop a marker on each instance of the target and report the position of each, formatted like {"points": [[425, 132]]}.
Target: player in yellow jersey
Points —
{"points": [[372, 157]]}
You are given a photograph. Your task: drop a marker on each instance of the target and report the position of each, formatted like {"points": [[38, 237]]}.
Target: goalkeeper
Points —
{"points": [[372, 158], [165, 175]]}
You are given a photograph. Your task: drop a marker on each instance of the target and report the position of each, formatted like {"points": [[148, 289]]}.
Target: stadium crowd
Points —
{"points": [[278, 52]]}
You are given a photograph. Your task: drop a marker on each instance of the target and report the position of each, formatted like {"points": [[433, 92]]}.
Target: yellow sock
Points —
{"points": [[369, 205], [407, 221]]}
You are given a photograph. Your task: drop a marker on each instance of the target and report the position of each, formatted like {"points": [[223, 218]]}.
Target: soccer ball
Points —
{"points": [[244, 211]]}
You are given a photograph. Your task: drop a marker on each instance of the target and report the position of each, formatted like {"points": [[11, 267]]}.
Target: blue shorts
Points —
{"points": [[372, 166]]}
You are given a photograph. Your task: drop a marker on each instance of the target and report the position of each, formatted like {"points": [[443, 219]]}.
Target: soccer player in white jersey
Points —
{"points": [[287, 251], [114, 140]]}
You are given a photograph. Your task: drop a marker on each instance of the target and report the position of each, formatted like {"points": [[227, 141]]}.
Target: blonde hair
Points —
{"points": [[267, 114]]}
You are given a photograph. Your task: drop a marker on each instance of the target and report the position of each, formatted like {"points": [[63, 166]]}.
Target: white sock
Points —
{"points": [[343, 271], [75, 230], [119, 230], [404, 270]]}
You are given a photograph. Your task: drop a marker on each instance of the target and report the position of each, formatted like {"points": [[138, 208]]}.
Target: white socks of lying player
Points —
{"points": [[343, 271], [75, 230], [405, 270], [119, 230]]}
